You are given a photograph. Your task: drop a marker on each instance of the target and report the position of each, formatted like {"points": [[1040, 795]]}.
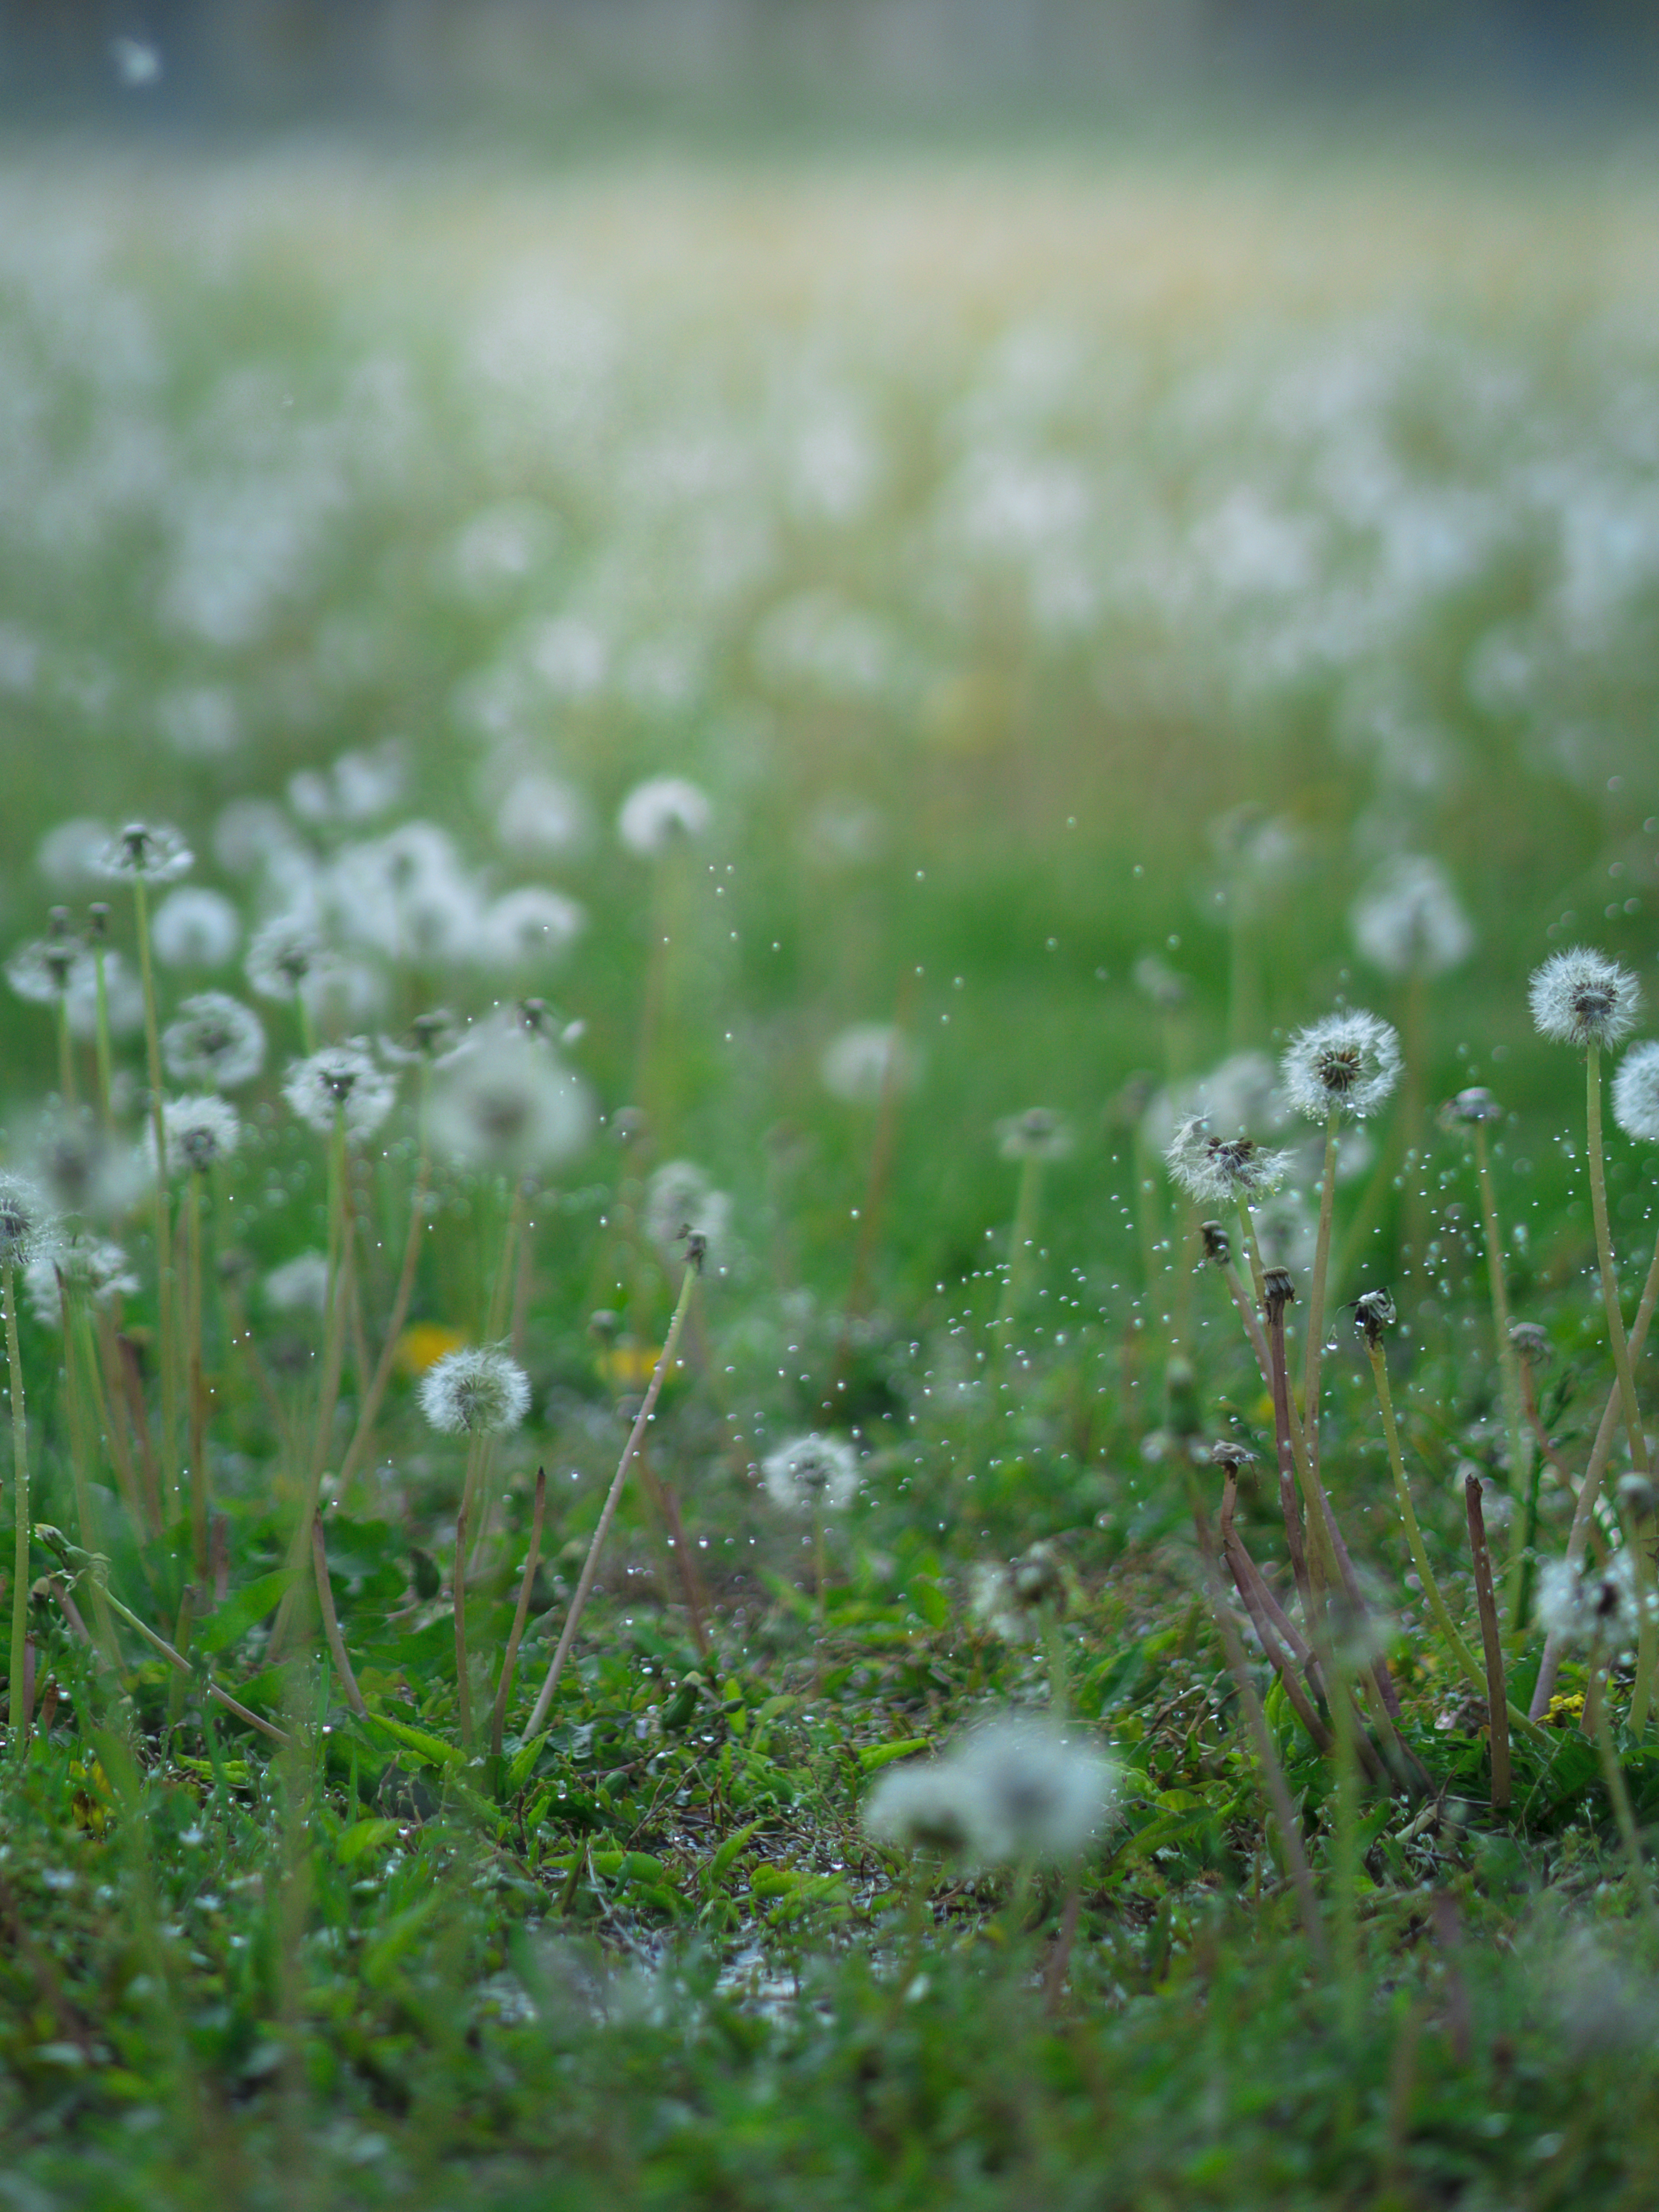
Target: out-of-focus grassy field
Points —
{"points": [[1040, 564]]}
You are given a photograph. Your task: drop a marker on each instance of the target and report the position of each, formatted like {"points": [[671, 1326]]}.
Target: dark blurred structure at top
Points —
{"points": [[218, 63]]}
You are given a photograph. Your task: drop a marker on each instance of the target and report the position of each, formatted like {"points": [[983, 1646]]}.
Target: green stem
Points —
{"points": [[200, 1501], [1021, 1237], [1316, 1345], [520, 1615], [106, 1057], [1508, 1360], [20, 1583], [65, 1052], [1613, 1774], [613, 1498], [165, 1288], [1638, 1444]]}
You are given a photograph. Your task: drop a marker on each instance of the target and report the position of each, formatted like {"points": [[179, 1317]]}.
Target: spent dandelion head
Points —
{"points": [[340, 1082], [681, 1198], [480, 1390], [1636, 1093], [1216, 1170], [214, 1039], [1373, 1312], [1038, 1134], [812, 1474], [511, 1106], [1532, 1343], [1582, 997], [1346, 1064], [145, 853], [662, 812], [197, 1133]]}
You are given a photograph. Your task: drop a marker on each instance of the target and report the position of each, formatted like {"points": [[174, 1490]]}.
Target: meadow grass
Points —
{"points": [[1066, 588]]}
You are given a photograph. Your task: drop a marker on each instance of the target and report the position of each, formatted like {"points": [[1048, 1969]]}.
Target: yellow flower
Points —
{"points": [[627, 1366], [423, 1343]]}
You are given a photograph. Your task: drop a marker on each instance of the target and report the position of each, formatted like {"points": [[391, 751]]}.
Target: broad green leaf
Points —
{"points": [[242, 1610]]}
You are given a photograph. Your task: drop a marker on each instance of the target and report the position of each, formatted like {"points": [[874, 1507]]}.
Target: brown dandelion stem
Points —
{"points": [[613, 1498], [1491, 1643]]}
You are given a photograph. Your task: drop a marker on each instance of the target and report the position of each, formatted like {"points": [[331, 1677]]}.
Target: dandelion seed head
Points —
{"points": [[1035, 1792], [510, 1105], [214, 1039], [1038, 1134], [145, 853], [300, 1284], [1407, 919], [194, 928], [124, 997], [25, 1224], [1216, 1170], [341, 1079], [1581, 997], [68, 855], [284, 955], [680, 1197], [197, 1133], [528, 926], [1348, 1063], [858, 1063], [658, 813], [1155, 978], [1471, 1107], [78, 1169], [96, 1268], [541, 814], [40, 971], [1580, 1605], [479, 1389], [812, 1474], [1636, 1093], [923, 1806]]}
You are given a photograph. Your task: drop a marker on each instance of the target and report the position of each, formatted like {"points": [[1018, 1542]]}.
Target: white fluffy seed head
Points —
{"points": [[1348, 1063], [479, 1389], [1216, 1170], [1582, 997], [680, 1198], [300, 1284], [510, 1106], [658, 813], [1636, 1093], [194, 928], [25, 1227], [1039, 1792], [812, 1474], [215, 1039], [145, 853], [1579, 1605], [92, 1267], [1407, 919], [340, 1079], [1038, 1134], [859, 1064], [284, 955], [922, 1806], [197, 1133]]}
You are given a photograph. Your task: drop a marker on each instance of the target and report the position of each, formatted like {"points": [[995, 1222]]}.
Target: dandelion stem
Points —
{"points": [[382, 1376], [1492, 1644], [1316, 1344], [1021, 1237], [520, 1615], [1522, 1473], [105, 1056], [200, 1502], [475, 1452], [613, 1498], [65, 1051], [1613, 1774], [1638, 1444], [331, 1622], [20, 1506], [164, 1284]]}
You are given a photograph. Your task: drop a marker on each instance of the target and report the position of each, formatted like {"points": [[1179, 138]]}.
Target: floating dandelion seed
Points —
{"points": [[1038, 1134], [1581, 997], [812, 1474], [857, 1064], [284, 956], [214, 1039], [658, 814], [1408, 920], [194, 928], [1348, 1063], [1636, 1093], [479, 1389], [92, 1266], [300, 1284], [197, 1133], [341, 1078], [145, 853], [510, 1106], [1215, 1171]]}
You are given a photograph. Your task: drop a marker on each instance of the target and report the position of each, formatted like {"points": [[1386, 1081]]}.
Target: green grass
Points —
{"points": [[1041, 515]]}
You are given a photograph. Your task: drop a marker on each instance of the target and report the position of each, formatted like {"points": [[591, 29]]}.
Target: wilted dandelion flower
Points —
{"points": [[197, 1133], [214, 1039], [1216, 1170], [479, 1389], [340, 1079], [1038, 1134], [284, 955], [1348, 1063], [300, 1284], [1581, 997], [92, 1266], [1636, 1093], [811, 1475], [511, 1106], [1408, 920], [680, 1197], [527, 926], [145, 853], [658, 813], [1032, 1792], [857, 1064], [25, 1225], [193, 927], [1585, 1605]]}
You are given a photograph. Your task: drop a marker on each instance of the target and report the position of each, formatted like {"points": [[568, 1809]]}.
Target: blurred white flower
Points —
{"points": [[680, 1197], [542, 814], [124, 997], [1348, 1063], [812, 1474], [857, 1064], [215, 1039], [68, 855], [197, 1134], [193, 927], [1038, 1134], [526, 928], [91, 1266], [1636, 1093], [511, 1106], [1407, 919], [341, 1079], [660, 812], [145, 853], [300, 1284], [479, 1389]]}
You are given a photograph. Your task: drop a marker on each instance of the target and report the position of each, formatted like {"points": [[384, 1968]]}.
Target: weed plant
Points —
{"points": [[819, 1393]]}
